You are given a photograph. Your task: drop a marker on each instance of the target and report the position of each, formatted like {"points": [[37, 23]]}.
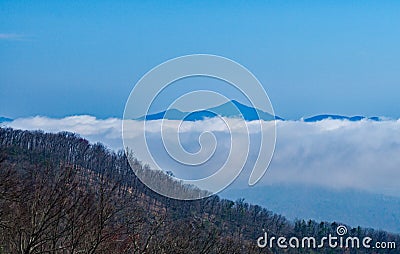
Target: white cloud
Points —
{"points": [[107, 131], [332, 153], [11, 36], [339, 154]]}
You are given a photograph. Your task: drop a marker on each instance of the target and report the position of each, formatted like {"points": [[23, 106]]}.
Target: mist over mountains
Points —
{"points": [[329, 153], [299, 201]]}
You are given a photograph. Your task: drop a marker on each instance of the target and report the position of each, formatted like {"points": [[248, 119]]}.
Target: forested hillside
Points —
{"points": [[61, 194]]}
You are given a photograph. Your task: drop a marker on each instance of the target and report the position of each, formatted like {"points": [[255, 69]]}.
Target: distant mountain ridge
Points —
{"points": [[5, 119], [317, 118], [229, 109]]}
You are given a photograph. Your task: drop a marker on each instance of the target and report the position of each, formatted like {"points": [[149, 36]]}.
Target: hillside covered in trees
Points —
{"points": [[61, 194]]}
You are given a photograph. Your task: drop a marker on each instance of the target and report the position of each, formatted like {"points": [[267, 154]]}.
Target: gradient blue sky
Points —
{"points": [[66, 58]]}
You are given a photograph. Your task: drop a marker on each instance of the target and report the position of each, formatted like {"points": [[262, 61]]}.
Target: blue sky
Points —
{"points": [[66, 58]]}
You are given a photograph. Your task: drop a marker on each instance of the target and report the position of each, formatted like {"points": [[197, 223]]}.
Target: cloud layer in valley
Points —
{"points": [[338, 154]]}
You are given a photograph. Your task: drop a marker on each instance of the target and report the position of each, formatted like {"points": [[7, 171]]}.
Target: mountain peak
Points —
{"points": [[230, 109]]}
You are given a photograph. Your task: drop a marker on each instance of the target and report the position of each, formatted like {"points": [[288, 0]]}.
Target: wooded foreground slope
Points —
{"points": [[61, 194]]}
